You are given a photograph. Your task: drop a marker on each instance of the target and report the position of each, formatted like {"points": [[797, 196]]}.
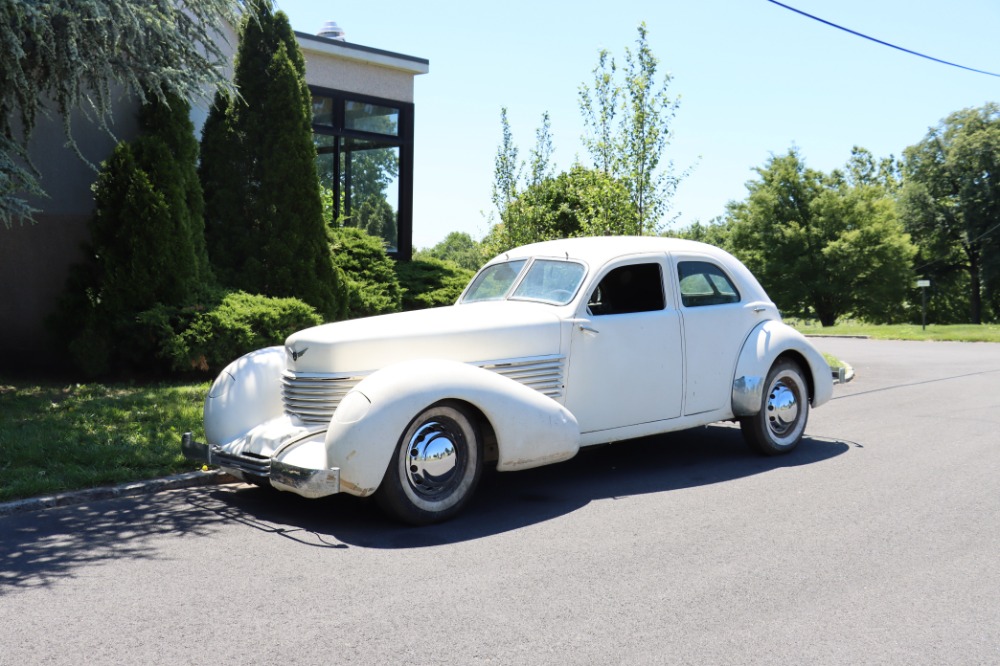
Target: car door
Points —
{"points": [[715, 319], [625, 362]]}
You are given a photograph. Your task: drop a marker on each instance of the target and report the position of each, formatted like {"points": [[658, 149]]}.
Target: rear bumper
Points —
{"points": [[304, 481]]}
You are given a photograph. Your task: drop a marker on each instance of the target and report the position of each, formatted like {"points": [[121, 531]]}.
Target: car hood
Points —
{"points": [[469, 333]]}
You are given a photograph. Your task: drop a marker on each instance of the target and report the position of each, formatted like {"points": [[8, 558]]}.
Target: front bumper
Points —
{"points": [[304, 481]]}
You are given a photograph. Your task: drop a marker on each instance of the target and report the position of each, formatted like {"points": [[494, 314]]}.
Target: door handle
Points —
{"points": [[588, 329]]}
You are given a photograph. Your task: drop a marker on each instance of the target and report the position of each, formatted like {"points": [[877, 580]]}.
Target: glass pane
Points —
{"points": [[493, 282], [322, 109], [372, 118], [325, 147], [704, 284], [628, 289], [370, 181], [550, 282]]}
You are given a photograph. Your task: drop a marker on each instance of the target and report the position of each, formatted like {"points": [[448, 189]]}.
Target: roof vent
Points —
{"points": [[331, 30]]}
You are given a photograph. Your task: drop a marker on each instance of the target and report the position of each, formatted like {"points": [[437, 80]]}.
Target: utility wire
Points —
{"points": [[879, 41]]}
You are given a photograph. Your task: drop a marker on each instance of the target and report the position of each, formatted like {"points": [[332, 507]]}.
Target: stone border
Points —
{"points": [[186, 480]]}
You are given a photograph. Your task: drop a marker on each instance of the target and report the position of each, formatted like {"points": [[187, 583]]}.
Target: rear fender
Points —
{"points": [[531, 428], [767, 342]]}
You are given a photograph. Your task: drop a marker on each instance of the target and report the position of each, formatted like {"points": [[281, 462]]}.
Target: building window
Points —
{"points": [[364, 149]]}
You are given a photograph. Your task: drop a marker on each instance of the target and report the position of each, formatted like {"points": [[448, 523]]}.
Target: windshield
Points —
{"points": [[493, 282], [546, 280], [550, 282]]}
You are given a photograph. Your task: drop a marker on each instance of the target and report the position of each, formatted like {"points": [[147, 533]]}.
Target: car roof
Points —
{"points": [[598, 250]]}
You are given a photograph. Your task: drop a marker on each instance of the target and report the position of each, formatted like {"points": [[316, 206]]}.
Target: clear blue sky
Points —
{"points": [[754, 80]]}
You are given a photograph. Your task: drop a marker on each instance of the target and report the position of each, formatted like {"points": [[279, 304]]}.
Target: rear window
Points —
{"points": [[703, 283]]}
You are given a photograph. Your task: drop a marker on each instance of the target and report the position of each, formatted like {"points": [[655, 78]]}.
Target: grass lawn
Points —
{"points": [[958, 332], [55, 438]]}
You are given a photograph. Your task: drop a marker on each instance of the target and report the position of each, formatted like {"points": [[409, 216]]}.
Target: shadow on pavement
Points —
{"points": [[504, 502], [42, 548]]}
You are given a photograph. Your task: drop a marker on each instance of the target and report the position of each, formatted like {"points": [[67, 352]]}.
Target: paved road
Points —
{"points": [[876, 542]]}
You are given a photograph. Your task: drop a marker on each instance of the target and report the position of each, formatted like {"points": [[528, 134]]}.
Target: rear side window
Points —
{"points": [[635, 288], [703, 283]]}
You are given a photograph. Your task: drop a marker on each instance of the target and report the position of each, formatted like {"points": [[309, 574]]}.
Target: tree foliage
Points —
{"points": [[369, 273], [459, 248], [541, 154], [578, 202], [631, 149], [264, 216], [823, 244], [507, 169], [951, 205], [431, 283], [63, 55]]}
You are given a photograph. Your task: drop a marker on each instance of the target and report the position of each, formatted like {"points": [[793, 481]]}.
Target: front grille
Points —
{"points": [[544, 374], [313, 397]]}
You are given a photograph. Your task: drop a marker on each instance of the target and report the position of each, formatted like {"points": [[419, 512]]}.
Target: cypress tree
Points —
{"points": [[146, 238], [265, 217]]}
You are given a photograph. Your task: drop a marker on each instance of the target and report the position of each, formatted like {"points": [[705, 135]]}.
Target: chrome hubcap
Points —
{"points": [[782, 408], [433, 457]]}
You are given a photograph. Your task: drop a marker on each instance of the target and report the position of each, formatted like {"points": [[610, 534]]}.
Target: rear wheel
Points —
{"points": [[436, 467], [781, 421]]}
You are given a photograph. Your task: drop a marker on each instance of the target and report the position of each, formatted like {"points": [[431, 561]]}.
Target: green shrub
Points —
{"points": [[370, 274], [431, 283], [202, 339]]}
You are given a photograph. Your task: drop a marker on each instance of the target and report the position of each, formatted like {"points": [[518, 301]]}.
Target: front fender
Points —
{"points": [[768, 341], [531, 428], [244, 395]]}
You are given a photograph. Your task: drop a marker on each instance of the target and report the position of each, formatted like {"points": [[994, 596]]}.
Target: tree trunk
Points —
{"points": [[975, 297]]}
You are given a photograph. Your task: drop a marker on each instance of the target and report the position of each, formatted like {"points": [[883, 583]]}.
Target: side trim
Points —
{"points": [[748, 391]]}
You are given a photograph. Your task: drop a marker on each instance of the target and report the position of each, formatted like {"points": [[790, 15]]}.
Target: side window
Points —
{"points": [[635, 288], [703, 284]]}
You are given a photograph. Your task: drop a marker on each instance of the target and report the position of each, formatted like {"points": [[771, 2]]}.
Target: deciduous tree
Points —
{"points": [[823, 244], [631, 150], [951, 205]]}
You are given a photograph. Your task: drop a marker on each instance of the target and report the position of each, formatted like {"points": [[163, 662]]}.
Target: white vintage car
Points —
{"points": [[552, 346]]}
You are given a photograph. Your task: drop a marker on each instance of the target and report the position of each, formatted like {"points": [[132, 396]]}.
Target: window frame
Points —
{"points": [[402, 140]]}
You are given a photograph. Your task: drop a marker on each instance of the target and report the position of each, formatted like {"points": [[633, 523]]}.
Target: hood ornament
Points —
{"points": [[296, 355]]}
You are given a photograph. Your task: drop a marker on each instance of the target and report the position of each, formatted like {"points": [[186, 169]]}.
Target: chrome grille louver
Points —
{"points": [[544, 374], [313, 397]]}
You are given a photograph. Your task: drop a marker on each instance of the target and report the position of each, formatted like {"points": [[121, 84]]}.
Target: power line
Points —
{"points": [[879, 41]]}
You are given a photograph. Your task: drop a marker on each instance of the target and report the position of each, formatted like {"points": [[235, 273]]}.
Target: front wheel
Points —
{"points": [[778, 426], [436, 467]]}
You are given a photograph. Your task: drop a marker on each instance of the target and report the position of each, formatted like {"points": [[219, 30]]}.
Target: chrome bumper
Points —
{"points": [[283, 476]]}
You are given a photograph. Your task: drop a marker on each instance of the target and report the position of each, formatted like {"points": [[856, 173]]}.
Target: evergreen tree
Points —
{"points": [[147, 246], [263, 210]]}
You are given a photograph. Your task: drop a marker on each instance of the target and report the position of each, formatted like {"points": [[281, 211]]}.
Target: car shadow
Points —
{"points": [[43, 548], [510, 501]]}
